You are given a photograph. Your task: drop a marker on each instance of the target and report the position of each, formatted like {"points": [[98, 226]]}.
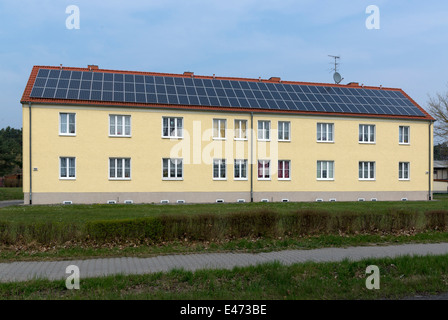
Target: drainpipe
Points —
{"points": [[251, 156], [30, 168], [429, 160]]}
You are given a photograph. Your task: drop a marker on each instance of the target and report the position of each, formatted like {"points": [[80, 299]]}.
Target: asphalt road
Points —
{"points": [[8, 203]]}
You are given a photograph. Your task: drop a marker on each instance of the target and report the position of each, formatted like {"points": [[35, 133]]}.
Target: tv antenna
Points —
{"points": [[336, 76]]}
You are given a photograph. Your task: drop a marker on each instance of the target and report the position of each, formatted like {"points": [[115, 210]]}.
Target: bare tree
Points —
{"points": [[438, 107]]}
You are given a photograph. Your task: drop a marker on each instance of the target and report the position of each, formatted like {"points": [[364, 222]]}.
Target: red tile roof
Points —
{"points": [[93, 68]]}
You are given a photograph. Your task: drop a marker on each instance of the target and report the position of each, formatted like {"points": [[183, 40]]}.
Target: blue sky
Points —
{"points": [[241, 38]]}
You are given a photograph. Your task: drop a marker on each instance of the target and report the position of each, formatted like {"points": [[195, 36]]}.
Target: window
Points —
{"points": [[263, 130], [219, 169], [366, 170], [67, 168], [283, 169], [219, 128], [172, 127], [325, 170], [241, 129], [283, 130], [264, 170], [325, 132], [119, 126], [403, 171], [240, 169], [67, 123], [366, 133], [120, 168], [403, 135], [172, 169]]}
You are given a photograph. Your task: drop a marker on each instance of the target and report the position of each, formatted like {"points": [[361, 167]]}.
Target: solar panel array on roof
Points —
{"points": [[135, 88]]}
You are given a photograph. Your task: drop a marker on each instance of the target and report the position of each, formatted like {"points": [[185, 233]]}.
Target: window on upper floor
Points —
{"points": [[367, 133], [284, 131], [67, 124], [264, 130], [219, 128], [240, 129], [325, 132], [119, 125], [403, 134], [172, 127]]}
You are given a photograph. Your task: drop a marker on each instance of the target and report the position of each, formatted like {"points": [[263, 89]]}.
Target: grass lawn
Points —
{"points": [[399, 277], [11, 194], [83, 213]]}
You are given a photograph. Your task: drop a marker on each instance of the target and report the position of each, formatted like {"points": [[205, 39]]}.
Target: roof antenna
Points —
{"points": [[336, 76]]}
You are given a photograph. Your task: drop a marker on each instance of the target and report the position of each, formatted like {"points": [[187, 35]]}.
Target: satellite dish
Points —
{"points": [[337, 77]]}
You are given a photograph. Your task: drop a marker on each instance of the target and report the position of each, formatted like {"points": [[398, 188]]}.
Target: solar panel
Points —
{"points": [[118, 87]]}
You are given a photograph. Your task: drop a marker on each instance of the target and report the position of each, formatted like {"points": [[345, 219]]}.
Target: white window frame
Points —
{"points": [[221, 163], [325, 132], [67, 169], [123, 125], [67, 125], [402, 171], [240, 134], [369, 164], [264, 133], [325, 166], [220, 122], [178, 131], [263, 170], [283, 171], [401, 134], [171, 161], [240, 163], [123, 167], [282, 125], [369, 133]]}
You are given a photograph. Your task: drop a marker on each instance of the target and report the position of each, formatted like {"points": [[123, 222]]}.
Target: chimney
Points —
{"points": [[189, 73], [275, 79], [92, 67]]}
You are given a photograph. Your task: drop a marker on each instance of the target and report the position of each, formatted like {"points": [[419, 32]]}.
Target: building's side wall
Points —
{"points": [[92, 148]]}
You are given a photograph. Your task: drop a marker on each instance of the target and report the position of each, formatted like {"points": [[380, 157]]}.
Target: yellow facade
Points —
{"points": [[92, 147]]}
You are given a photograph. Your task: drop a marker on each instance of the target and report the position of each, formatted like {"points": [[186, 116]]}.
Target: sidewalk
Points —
{"points": [[52, 270]]}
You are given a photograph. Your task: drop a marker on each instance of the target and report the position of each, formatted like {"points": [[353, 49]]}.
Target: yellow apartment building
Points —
{"points": [[106, 136]]}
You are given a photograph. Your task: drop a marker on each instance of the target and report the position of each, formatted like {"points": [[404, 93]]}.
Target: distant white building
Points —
{"points": [[440, 175]]}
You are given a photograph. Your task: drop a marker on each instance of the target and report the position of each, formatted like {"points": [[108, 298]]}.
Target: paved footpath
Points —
{"points": [[22, 271]]}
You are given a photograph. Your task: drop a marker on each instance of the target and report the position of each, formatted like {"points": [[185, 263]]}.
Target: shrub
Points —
{"points": [[436, 220], [142, 228]]}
